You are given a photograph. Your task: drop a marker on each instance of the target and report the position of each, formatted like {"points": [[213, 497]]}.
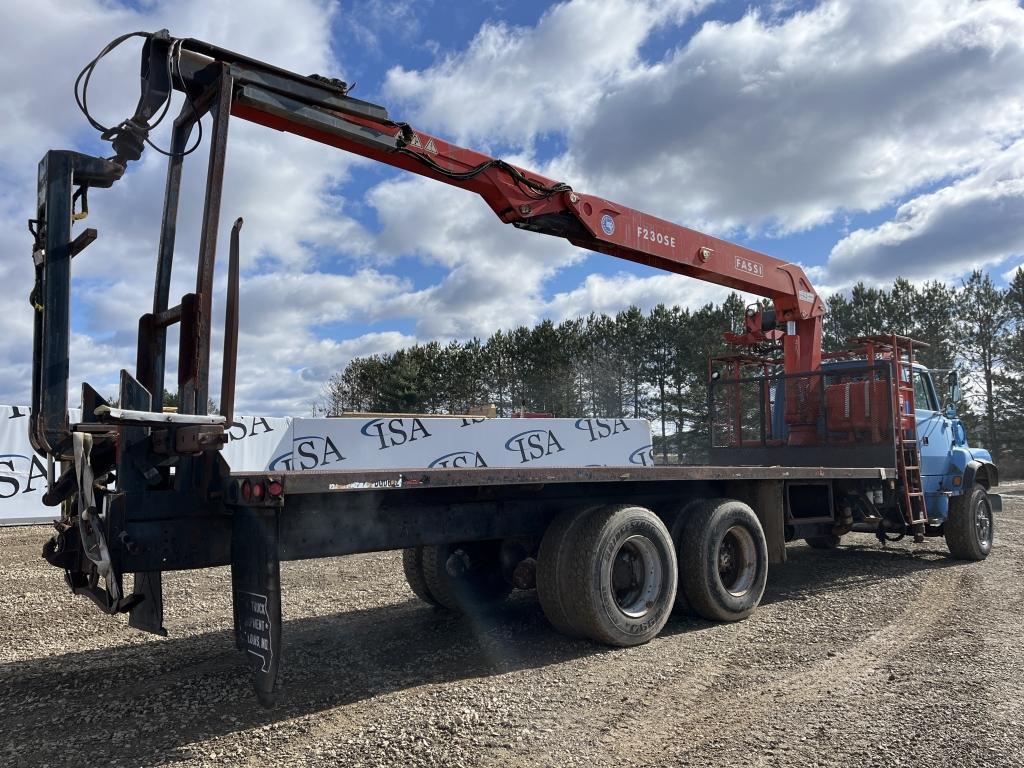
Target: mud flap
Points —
{"points": [[148, 615], [256, 592]]}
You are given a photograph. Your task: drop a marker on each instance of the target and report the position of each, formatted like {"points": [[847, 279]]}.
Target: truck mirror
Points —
{"points": [[953, 380]]}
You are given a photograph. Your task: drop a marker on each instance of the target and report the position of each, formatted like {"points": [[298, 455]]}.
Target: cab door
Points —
{"points": [[934, 431]]}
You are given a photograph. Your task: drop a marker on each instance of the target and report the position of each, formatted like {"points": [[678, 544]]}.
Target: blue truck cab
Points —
{"points": [[956, 478], [950, 467]]}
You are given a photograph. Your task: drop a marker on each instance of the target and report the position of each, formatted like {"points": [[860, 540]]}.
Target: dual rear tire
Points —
{"points": [[723, 560], [459, 577], [614, 574], [607, 574]]}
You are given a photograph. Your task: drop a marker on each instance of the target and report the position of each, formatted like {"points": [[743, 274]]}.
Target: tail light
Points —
{"points": [[246, 490], [257, 491], [275, 488]]}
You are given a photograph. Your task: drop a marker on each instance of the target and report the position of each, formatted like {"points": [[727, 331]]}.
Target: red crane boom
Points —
{"points": [[224, 83], [531, 201]]}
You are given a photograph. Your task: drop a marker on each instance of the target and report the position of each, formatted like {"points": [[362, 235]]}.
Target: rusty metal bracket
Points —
{"points": [[191, 440]]}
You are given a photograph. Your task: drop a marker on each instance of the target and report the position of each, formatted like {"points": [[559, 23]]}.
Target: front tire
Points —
{"points": [[622, 576], [724, 560], [970, 528]]}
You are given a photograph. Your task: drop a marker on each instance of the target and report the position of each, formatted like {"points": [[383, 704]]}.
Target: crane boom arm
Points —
{"points": [[587, 221], [289, 102], [224, 84]]}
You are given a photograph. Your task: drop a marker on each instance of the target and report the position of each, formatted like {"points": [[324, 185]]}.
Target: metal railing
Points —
{"points": [[846, 409]]}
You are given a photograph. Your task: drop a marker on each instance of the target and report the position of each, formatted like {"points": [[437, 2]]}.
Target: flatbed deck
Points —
{"points": [[321, 481]]}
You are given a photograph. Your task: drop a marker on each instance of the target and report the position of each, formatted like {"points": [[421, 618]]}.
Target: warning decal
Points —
{"points": [[256, 627]]}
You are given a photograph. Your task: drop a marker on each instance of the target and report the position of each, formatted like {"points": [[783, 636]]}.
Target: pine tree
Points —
{"points": [[867, 317], [983, 335], [1010, 380], [661, 356], [838, 324], [933, 312], [631, 336], [897, 306]]}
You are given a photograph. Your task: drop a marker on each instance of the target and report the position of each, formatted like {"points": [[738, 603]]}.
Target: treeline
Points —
{"points": [[654, 365]]}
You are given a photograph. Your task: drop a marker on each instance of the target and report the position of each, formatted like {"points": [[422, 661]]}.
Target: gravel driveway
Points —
{"points": [[864, 656]]}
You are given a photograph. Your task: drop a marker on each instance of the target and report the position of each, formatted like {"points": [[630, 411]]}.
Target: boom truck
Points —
{"points": [[800, 450]]}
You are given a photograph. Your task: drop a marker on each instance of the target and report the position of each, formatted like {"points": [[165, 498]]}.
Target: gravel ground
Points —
{"points": [[864, 656]]}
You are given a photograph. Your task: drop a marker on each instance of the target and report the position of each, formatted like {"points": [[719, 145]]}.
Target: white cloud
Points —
{"points": [[513, 83], [779, 125], [279, 183], [273, 384], [369, 20], [293, 301], [609, 294], [774, 122], [495, 274], [972, 223]]}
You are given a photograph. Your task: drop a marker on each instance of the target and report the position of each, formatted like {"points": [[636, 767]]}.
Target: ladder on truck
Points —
{"points": [[900, 352]]}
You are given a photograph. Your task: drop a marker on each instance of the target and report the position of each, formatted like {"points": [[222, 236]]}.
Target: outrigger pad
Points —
{"points": [[256, 590]]}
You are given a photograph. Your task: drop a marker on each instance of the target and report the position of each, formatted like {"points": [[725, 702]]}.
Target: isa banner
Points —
{"points": [[280, 444], [453, 443]]}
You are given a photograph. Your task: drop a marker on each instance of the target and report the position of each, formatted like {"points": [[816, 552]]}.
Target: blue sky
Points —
{"points": [[863, 139]]}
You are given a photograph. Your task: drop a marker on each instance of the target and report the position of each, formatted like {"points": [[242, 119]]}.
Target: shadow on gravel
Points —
{"points": [[145, 703], [854, 565]]}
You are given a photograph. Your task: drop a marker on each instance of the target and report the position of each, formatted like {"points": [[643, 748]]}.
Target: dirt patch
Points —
{"points": [[864, 656]]}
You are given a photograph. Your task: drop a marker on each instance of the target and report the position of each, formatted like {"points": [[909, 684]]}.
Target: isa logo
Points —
{"points": [[608, 225], [457, 460], [394, 432], [643, 457], [313, 452], [18, 472], [533, 444], [598, 429], [257, 425]]}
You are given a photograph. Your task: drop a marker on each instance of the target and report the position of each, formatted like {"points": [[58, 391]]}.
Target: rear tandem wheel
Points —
{"points": [[723, 560], [465, 577], [412, 565], [615, 572]]}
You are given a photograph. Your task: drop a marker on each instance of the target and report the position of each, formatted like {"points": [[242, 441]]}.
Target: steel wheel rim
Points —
{"points": [[635, 577], [983, 523], [736, 559]]}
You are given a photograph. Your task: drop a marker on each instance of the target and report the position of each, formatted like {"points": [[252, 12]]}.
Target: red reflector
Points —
{"points": [[275, 488], [257, 491], [246, 490]]}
